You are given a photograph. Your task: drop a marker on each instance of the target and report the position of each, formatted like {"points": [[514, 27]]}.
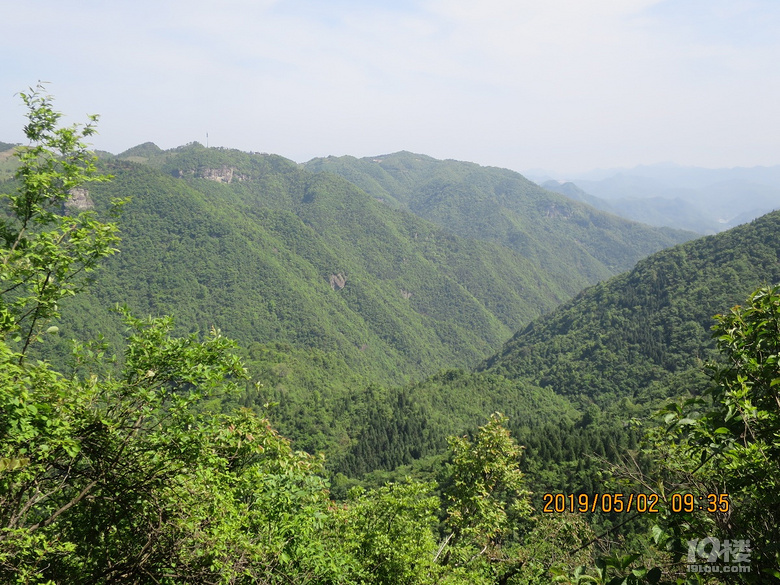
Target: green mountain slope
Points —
{"points": [[8, 162], [646, 332], [269, 252], [574, 243], [329, 289]]}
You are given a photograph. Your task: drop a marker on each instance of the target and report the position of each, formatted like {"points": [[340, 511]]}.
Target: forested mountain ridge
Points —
{"points": [[328, 290], [647, 331], [269, 252], [575, 243]]}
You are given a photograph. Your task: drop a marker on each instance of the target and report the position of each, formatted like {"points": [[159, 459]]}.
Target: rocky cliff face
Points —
{"points": [[79, 200], [223, 174], [338, 281]]}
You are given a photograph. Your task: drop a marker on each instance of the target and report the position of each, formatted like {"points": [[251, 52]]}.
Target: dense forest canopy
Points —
{"points": [[278, 254], [649, 325], [148, 456], [576, 244]]}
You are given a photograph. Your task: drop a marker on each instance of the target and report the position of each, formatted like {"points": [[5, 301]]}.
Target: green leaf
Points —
{"points": [[626, 560], [658, 534]]}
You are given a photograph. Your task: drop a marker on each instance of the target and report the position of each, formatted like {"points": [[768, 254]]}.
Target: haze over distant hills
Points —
{"points": [[702, 200]]}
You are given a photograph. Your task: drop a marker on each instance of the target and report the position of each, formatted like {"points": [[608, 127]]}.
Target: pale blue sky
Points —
{"points": [[559, 84]]}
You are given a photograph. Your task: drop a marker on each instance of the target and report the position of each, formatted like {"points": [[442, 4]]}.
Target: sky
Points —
{"points": [[565, 85]]}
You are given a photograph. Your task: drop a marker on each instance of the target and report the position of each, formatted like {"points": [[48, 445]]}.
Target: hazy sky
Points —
{"points": [[558, 84]]}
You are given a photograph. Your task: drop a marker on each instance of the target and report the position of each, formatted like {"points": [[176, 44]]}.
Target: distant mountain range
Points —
{"points": [[702, 200]]}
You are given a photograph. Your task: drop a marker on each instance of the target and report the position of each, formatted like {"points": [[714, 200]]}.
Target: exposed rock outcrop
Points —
{"points": [[79, 199], [223, 174], [337, 281]]}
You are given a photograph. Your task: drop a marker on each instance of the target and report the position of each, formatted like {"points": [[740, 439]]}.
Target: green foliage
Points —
{"points": [[125, 480], [486, 504], [556, 544], [644, 335], [734, 437], [45, 254], [720, 452], [571, 244], [111, 474], [487, 493], [744, 391], [390, 532]]}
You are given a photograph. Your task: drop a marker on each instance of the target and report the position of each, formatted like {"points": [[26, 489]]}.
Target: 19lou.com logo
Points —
{"points": [[714, 556]]}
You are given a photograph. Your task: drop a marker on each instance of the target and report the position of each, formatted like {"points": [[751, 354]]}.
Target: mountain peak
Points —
{"points": [[145, 150]]}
